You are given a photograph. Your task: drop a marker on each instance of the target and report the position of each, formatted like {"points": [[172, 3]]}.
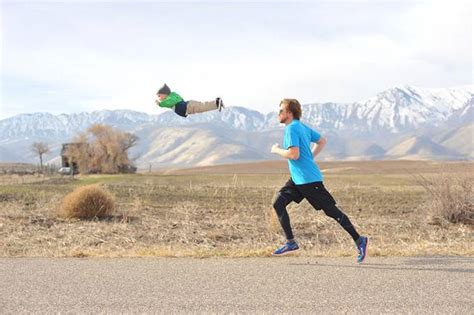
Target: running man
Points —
{"points": [[306, 179]]}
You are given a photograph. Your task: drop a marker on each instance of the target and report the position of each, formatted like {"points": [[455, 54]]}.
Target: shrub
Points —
{"points": [[88, 202], [451, 198]]}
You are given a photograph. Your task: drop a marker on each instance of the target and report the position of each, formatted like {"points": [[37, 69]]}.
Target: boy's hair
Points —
{"points": [[164, 90], [293, 106]]}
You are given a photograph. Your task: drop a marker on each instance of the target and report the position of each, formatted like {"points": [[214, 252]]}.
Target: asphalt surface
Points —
{"points": [[244, 285]]}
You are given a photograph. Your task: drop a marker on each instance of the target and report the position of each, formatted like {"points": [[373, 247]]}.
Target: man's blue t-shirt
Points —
{"points": [[303, 170]]}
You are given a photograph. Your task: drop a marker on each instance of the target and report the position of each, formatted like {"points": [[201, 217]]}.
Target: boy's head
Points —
{"points": [[163, 92]]}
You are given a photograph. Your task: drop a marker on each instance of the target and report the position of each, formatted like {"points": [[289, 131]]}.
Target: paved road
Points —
{"points": [[282, 285]]}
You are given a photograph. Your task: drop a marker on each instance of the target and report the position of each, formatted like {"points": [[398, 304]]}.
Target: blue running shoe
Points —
{"points": [[362, 248], [286, 249]]}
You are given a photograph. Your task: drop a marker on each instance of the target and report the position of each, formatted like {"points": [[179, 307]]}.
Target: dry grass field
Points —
{"points": [[227, 211]]}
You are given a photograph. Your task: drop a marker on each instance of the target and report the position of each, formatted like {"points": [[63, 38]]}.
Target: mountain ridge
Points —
{"points": [[367, 129]]}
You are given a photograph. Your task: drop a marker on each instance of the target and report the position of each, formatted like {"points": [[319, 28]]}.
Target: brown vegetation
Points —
{"points": [[231, 214], [87, 202], [104, 150], [452, 197]]}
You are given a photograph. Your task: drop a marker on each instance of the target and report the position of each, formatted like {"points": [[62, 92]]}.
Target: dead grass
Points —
{"points": [[452, 198], [203, 215], [87, 202]]}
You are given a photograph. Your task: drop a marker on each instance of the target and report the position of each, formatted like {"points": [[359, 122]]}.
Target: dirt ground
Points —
{"points": [[227, 211]]}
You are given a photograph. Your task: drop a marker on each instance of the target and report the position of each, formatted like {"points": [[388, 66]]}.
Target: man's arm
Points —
{"points": [[293, 153], [319, 146]]}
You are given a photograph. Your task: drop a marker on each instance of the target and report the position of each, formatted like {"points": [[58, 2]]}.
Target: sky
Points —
{"points": [[76, 56]]}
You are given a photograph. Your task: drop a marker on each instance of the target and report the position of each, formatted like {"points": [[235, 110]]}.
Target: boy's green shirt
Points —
{"points": [[171, 100]]}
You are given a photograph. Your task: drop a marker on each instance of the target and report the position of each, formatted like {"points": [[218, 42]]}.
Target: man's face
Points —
{"points": [[283, 114], [161, 96]]}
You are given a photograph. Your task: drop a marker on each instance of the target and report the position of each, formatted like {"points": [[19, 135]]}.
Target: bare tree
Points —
{"points": [[40, 148], [128, 141]]}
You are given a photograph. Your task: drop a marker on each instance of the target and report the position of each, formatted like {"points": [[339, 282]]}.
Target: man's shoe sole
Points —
{"points": [[285, 253]]}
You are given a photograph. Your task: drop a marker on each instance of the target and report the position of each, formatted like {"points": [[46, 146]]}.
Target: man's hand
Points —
{"points": [[275, 148], [293, 153], [157, 102]]}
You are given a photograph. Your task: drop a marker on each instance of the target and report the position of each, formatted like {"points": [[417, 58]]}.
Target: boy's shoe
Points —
{"points": [[286, 249], [362, 248], [220, 104]]}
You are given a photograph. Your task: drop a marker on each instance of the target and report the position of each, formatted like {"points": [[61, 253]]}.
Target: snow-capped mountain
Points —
{"points": [[48, 125], [373, 128], [239, 118], [399, 109]]}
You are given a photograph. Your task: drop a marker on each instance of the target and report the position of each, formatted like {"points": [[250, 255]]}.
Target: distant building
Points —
{"points": [[66, 163], [65, 160]]}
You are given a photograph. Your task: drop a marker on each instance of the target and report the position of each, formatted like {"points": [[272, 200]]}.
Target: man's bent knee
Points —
{"points": [[280, 202]]}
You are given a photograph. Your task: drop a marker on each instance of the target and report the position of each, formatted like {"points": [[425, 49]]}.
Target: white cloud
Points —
{"points": [[340, 59]]}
